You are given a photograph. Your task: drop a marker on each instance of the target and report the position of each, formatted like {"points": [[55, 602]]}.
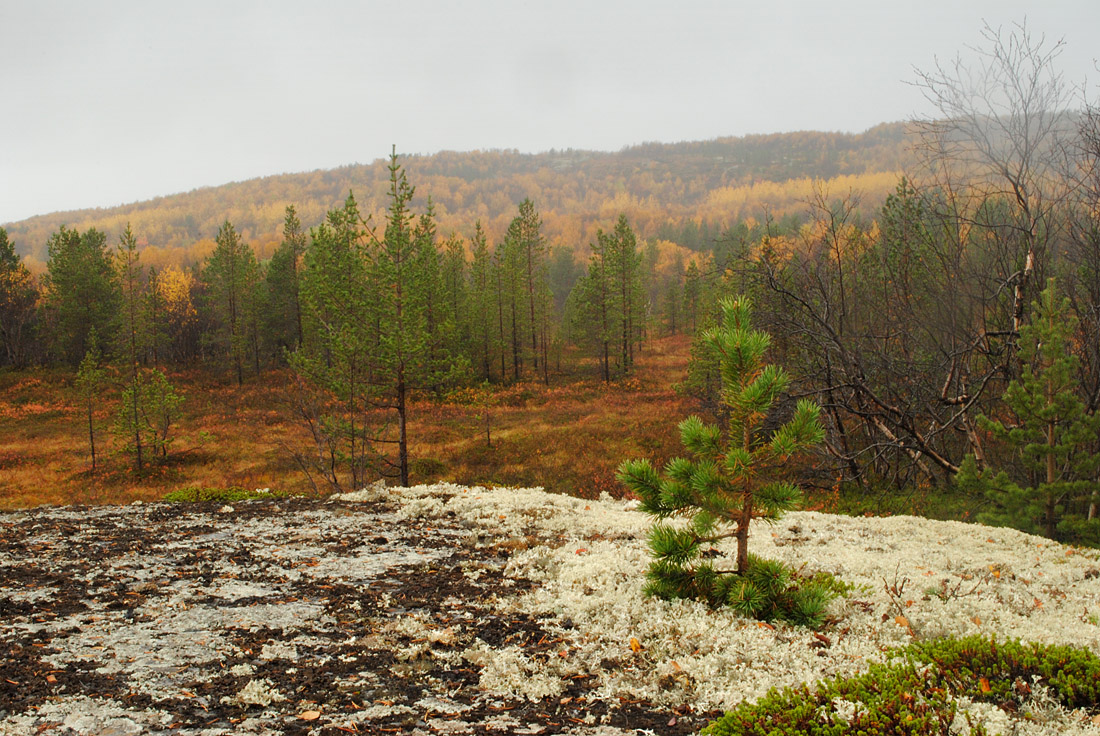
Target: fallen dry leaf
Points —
{"points": [[985, 685], [635, 645], [310, 715]]}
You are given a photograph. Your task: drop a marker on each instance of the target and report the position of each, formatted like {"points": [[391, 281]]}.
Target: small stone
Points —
{"points": [[118, 727]]}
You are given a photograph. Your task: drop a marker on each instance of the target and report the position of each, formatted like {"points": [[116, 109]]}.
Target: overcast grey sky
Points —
{"points": [[108, 102]]}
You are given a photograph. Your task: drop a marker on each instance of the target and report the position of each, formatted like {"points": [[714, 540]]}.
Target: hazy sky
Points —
{"points": [[108, 102]]}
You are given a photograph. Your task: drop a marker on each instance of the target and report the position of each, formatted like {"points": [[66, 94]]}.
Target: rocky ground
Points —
{"points": [[450, 610], [281, 617]]}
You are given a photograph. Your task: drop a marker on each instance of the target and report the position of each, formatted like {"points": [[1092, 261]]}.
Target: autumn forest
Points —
{"points": [[497, 317]]}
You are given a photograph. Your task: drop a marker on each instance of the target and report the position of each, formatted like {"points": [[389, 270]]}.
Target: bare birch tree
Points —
{"points": [[998, 133]]}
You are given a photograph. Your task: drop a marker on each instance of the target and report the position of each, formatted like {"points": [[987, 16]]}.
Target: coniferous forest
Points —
{"points": [[934, 288]]}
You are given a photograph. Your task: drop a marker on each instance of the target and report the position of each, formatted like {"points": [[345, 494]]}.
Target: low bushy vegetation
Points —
{"points": [[203, 494], [924, 689]]}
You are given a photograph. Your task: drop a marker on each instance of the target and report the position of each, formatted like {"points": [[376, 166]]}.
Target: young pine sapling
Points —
{"points": [[730, 481]]}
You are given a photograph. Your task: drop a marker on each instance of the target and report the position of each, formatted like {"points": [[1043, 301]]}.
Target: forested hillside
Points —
{"points": [[942, 315], [659, 186]]}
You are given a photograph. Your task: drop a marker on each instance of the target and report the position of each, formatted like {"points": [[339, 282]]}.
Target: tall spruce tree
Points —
{"points": [[731, 480], [284, 313], [441, 360], [377, 317], [499, 280]]}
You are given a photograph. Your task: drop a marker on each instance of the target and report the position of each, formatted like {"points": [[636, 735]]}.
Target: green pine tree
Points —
{"points": [[624, 269], [404, 278], [82, 292], [1049, 487], [132, 336], [482, 313], [531, 247], [155, 316], [334, 362], [232, 276], [693, 296], [156, 400], [456, 295], [90, 379], [433, 278], [731, 480], [590, 308], [509, 271], [18, 296]]}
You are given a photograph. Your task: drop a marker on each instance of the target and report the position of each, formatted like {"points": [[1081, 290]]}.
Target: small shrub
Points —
{"points": [[916, 692], [426, 468], [206, 494]]}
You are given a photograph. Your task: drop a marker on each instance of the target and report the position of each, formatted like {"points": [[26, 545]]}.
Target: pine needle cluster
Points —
{"points": [[731, 479]]}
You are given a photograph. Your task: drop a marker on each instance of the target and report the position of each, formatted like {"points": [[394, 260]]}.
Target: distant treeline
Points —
{"points": [[655, 185]]}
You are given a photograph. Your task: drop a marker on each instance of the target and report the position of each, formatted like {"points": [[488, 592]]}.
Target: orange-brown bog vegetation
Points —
{"points": [[568, 437]]}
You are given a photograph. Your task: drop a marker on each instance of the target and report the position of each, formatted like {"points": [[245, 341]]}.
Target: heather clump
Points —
{"points": [[967, 685]]}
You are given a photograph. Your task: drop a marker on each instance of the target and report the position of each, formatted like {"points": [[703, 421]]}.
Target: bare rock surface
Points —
{"points": [[273, 617], [449, 610]]}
